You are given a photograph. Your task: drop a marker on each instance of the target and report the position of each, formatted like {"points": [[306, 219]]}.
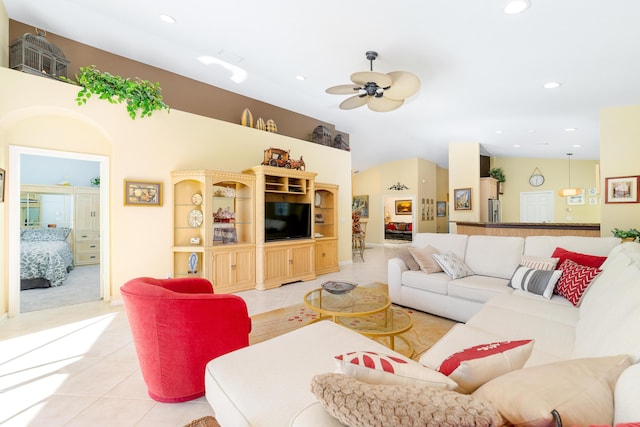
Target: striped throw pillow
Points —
{"points": [[539, 263], [539, 282]]}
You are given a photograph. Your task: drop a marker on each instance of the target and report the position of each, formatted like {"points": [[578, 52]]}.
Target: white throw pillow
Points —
{"points": [[452, 265], [377, 368], [476, 365], [539, 282]]}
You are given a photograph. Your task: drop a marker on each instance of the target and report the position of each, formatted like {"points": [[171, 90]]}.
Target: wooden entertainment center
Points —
{"points": [[219, 227]]}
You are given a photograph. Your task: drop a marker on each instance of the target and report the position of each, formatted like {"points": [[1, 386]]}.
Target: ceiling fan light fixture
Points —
{"points": [[516, 6], [381, 92]]}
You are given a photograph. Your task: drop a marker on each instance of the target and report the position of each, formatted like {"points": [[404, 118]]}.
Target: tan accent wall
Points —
{"points": [[464, 172], [556, 174], [4, 36], [619, 154], [40, 112]]}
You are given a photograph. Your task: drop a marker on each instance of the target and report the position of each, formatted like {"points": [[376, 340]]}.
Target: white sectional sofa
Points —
{"points": [[268, 384], [492, 259]]}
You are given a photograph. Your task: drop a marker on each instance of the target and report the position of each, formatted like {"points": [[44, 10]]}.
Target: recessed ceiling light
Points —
{"points": [[531, 131], [576, 145], [551, 85], [498, 131], [168, 19], [516, 6], [516, 145], [570, 129], [300, 77], [542, 143]]}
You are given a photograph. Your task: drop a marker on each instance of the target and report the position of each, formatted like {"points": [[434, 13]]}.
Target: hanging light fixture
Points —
{"points": [[570, 191]]}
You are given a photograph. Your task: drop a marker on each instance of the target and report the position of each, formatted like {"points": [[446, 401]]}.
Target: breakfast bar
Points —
{"points": [[524, 229]]}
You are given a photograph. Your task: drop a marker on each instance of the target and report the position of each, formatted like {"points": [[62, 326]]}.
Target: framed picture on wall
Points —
{"points": [[462, 199], [139, 193], [442, 209], [404, 207], [361, 203], [576, 200], [622, 189]]}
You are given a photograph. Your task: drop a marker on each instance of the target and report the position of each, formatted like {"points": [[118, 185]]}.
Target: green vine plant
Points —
{"points": [[141, 96]]}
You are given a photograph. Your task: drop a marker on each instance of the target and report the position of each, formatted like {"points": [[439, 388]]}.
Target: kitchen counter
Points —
{"points": [[524, 229]]}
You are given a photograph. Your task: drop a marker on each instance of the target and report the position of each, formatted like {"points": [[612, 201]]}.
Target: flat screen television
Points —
{"points": [[286, 220]]}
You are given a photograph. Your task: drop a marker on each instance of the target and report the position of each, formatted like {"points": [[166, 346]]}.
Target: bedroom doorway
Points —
{"points": [[88, 281]]}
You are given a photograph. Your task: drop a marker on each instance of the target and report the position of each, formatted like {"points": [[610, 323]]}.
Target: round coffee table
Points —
{"points": [[388, 323], [359, 302]]}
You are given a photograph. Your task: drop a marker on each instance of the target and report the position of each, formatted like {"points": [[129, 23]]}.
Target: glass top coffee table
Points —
{"points": [[363, 310], [359, 302]]}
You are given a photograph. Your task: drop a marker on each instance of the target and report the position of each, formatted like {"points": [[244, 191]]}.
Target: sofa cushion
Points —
{"points": [[443, 242], [424, 258], [539, 263], [602, 330], [435, 282], [543, 246], [359, 404], [478, 288], [408, 258], [453, 266], [539, 282], [579, 258], [575, 280], [515, 317], [474, 366], [494, 256], [380, 368], [580, 390]]}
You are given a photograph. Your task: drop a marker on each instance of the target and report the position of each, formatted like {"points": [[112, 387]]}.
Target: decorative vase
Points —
{"points": [[260, 125], [271, 126], [193, 263], [247, 118]]}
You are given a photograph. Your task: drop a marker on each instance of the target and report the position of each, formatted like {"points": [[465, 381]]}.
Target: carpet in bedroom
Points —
{"points": [[82, 285], [427, 328]]}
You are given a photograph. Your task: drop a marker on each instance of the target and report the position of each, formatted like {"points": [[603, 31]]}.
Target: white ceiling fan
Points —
{"points": [[380, 92]]}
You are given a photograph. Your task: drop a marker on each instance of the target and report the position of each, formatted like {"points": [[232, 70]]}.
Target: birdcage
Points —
{"points": [[33, 54]]}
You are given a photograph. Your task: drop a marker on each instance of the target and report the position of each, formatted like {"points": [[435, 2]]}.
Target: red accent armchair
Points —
{"points": [[178, 325]]}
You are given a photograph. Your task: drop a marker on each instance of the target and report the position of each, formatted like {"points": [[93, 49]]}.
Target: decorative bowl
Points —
{"points": [[338, 288]]}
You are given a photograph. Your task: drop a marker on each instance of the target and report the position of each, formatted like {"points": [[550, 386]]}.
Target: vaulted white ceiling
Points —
{"points": [[482, 71]]}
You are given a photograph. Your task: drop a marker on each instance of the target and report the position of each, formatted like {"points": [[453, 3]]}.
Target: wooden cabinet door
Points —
{"points": [[326, 255], [244, 268], [222, 271], [276, 263], [302, 261]]}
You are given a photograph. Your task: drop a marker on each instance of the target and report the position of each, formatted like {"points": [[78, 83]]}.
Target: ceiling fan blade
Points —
{"points": [[353, 102], [404, 85], [343, 90], [363, 77], [384, 104]]}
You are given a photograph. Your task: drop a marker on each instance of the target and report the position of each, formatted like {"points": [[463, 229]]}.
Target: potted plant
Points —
{"points": [[498, 174], [626, 235], [141, 96]]}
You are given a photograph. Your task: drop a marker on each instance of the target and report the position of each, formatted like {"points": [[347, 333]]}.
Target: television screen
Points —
{"points": [[284, 220]]}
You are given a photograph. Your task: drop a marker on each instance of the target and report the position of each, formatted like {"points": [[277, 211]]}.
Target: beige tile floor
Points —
{"points": [[76, 365]]}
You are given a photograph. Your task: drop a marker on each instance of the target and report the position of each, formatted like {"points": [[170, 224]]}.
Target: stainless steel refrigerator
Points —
{"points": [[495, 211]]}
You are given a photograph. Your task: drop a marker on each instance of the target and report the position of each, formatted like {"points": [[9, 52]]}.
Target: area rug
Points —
{"points": [[427, 329]]}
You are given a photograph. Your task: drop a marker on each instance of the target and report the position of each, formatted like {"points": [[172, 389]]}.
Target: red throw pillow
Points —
{"points": [[582, 259], [410, 227], [574, 280], [391, 226]]}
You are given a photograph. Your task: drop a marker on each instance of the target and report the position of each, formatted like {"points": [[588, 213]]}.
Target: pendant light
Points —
{"points": [[570, 191]]}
